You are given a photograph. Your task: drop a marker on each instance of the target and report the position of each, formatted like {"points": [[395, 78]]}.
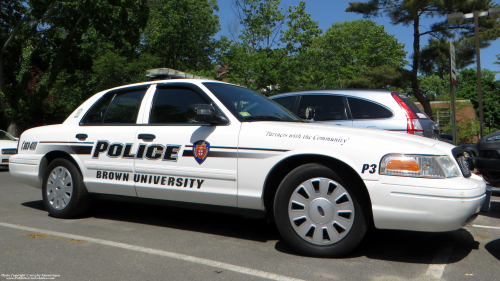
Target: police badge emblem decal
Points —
{"points": [[200, 151]]}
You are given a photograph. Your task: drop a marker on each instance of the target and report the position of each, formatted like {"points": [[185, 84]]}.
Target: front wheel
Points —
{"points": [[63, 191], [317, 214], [492, 177]]}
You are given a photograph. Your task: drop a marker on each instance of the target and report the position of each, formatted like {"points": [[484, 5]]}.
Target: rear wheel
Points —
{"points": [[317, 214], [64, 193]]}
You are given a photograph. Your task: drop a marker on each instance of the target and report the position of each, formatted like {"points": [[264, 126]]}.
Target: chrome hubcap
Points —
{"points": [[59, 188], [321, 211]]}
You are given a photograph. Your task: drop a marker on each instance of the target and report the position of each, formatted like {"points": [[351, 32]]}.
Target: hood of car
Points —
{"points": [[324, 133]]}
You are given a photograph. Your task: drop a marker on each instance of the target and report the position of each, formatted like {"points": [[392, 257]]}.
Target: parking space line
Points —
{"points": [[485, 226], [438, 264], [207, 262]]}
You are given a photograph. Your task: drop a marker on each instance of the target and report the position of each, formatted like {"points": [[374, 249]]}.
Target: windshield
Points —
{"points": [[5, 136], [248, 105]]}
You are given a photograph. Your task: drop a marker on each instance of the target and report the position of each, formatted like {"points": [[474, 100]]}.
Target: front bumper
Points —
{"points": [[427, 204], [5, 154], [25, 169], [4, 160]]}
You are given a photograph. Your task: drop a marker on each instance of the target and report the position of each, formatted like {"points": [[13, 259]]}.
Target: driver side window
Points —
{"points": [[170, 105]]}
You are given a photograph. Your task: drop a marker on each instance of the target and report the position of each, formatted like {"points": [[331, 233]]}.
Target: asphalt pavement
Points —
{"points": [[124, 241]]}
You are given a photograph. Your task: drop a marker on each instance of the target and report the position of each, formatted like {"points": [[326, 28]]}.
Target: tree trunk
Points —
{"points": [[13, 129], [424, 101], [414, 73]]}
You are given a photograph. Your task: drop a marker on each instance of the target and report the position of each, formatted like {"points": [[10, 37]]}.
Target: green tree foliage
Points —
{"points": [[181, 33], [410, 12], [435, 56], [72, 49], [43, 40], [264, 55], [467, 89], [467, 127], [108, 70], [354, 54], [434, 87]]}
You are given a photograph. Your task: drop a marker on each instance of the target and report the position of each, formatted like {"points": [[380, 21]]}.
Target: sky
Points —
{"points": [[327, 12]]}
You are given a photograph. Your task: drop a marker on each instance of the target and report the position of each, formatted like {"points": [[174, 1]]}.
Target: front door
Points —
{"points": [[180, 159]]}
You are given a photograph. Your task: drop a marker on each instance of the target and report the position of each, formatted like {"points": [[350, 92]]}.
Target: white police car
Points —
{"points": [[217, 146]]}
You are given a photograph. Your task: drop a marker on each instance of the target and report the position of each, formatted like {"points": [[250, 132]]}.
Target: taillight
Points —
{"points": [[416, 127], [413, 126]]}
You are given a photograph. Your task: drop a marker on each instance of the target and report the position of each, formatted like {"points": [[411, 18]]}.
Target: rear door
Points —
{"points": [[104, 141]]}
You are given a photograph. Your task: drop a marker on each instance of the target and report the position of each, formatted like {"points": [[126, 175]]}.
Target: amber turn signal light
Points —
{"points": [[403, 165]]}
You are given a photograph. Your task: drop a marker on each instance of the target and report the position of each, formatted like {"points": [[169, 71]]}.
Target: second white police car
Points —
{"points": [[217, 146]]}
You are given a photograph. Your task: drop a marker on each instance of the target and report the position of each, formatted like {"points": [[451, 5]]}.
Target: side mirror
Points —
{"points": [[204, 113], [310, 113]]}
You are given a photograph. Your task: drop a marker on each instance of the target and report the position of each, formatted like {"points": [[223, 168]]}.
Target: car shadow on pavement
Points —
{"points": [[184, 219], [389, 245], [407, 246], [416, 247], [4, 170], [38, 205], [493, 248], [222, 224]]}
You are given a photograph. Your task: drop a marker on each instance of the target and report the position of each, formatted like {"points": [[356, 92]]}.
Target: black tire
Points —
{"points": [[492, 177], [317, 213], [63, 191]]}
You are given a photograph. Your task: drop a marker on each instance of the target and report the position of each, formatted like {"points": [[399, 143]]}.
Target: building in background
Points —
{"points": [[442, 114]]}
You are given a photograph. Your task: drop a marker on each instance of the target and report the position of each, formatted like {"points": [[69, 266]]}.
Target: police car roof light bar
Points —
{"points": [[167, 73]]}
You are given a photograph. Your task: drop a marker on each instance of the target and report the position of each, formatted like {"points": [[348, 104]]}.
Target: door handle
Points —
{"points": [[81, 136], [146, 137]]}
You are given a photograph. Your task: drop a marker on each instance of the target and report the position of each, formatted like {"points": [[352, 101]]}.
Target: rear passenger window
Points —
{"points": [[116, 108], [327, 107], [171, 105], [362, 109]]}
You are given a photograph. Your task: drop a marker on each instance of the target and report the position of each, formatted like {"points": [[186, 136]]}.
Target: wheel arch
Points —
{"points": [[51, 156], [285, 166]]}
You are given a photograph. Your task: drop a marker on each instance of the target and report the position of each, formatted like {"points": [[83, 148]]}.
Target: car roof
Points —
{"points": [[345, 92], [179, 80]]}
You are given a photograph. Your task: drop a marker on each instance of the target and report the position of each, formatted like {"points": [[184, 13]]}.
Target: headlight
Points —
{"points": [[421, 166]]}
